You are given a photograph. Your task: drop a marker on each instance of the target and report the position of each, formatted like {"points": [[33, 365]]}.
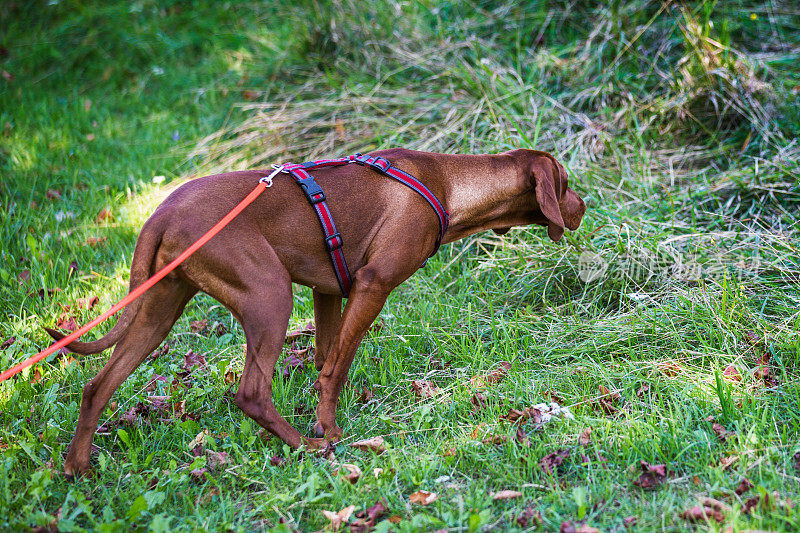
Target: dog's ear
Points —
{"points": [[547, 180]]}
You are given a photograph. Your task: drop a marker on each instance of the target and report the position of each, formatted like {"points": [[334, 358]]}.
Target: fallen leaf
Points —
{"points": [[720, 431], [352, 472], [199, 440], [305, 331], [425, 389], [669, 368], [90, 137], [519, 416], [7, 76], [53, 194], [629, 521], [87, 303], [230, 377], [423, 497], [449, 452], [66, 322], [298, 358], [365, 396], [700, 513], [8, 342], [732, 373], [743, 486], [497, 375], [193, 359], [395, 519], [198, 326], [365, 520], [276, 460], [73, 267], [727, 461], [198, 474], [216, 460], [554, 396], [608, 399], [585, 437], [478, 401], [550, 462], [652, 475], [505, 495], [375, 444], [521, 437], [24, 275], [644, 389], [93, 241], [87, 105], [340, 518], [250, 95], [529, 517]]}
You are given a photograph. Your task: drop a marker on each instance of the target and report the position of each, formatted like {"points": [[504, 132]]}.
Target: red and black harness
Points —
{"points": [[316, 197]]}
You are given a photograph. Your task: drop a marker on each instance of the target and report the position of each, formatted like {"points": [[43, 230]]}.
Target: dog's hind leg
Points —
{"points": [[328, 318], [160, 308]]}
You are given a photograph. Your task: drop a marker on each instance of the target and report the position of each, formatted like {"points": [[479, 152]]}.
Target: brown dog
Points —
{"points": [[388, 232]]}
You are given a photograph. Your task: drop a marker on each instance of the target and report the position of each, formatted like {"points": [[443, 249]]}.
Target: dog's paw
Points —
{"points": [[334, 434]]}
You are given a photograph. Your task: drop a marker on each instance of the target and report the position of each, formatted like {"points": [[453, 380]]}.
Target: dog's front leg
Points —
{"points": [[328, 318], [369, 293]]}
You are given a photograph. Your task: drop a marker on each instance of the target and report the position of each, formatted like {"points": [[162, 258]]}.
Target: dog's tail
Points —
{"points": [[141, 265]]}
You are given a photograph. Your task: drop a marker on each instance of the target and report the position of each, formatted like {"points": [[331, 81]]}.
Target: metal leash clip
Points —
{"points": [[268, 179]]}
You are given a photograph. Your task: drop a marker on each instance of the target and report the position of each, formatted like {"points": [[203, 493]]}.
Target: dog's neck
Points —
{"points": [[476, 202]]}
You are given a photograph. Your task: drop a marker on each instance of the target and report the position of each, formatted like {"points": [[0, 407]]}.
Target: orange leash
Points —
{"points": [[141, 289]]}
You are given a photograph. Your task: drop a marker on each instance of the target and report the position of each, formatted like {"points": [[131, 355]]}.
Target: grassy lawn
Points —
{"points": [[668, 325]]}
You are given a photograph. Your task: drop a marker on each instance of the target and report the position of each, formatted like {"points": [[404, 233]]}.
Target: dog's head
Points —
{"points": [[549, 200]]}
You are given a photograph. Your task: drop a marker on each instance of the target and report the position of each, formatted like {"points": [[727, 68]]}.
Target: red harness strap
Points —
{"points": [[316, 197]]}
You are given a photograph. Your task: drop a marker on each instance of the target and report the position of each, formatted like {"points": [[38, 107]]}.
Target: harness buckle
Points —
{"points": [[333, 246], [312, 190]]}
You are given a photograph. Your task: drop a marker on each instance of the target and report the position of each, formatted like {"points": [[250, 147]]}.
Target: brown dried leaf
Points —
{"points": [[8, 342], [193, 359], [216, 460], [352, 473], [93, 241], [743, 486], [670, 368], [307, 331], [732, 373], [720, 431], [497, 375], [24, 275], [66, 322], [425, 389], [585, 437], [86, 303], [276, 460], [199, 326], [700, 513], [554, 396], [365, 396], [365, 520], [652, 475], [478, 401], [250, 95], [550, 462], [339, 519], [375, 444], [423, 497], [644, 389], [505, 495], [727, 461], [629, 521], [53, 194], [529, 517]]}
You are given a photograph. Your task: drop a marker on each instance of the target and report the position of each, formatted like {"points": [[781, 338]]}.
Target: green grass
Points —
{"points": [[678, 124]]}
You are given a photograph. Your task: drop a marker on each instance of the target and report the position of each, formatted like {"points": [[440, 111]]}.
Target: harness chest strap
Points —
{"points": [[316, 197]]}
